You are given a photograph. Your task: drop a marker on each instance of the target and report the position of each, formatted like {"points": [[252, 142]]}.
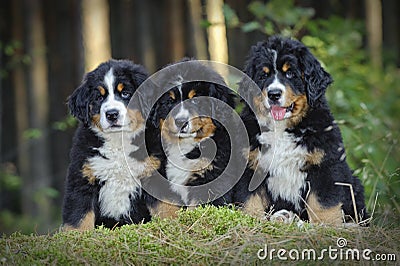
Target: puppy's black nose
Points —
{"points": [[112, 115], [181, 123], [274, 95]]}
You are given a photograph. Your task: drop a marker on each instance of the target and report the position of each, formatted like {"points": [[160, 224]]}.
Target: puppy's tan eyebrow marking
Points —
{"points": [[101, 90], [285, 67], [172, 95], [120, 87], [191, 94], [266, 69]]}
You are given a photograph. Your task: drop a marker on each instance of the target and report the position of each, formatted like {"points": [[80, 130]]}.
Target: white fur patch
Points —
{"points": [[179, 168], [121, 181], [283, 160], [183, 113], [276, 85], [111, 103]]}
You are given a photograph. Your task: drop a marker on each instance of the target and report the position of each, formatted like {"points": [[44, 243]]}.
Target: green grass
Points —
{"points": [[206, 235]]}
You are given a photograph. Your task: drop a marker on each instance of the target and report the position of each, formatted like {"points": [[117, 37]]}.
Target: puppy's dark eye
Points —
{"points": [[125, 94], [100, 98], [262, 76], [289, 74], [195, 100]]}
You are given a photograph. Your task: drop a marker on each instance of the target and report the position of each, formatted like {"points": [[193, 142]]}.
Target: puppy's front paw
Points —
{"points": [[282, 216]]}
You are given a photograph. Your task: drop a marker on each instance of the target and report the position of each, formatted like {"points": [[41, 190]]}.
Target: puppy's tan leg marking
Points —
{"points": [[320, 214], [256, 204], [86, 223], [164, 210]]}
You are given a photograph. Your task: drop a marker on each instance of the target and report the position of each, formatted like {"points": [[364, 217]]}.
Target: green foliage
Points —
{"points": [[12, 51], [205, 235], [67, 123], [9, 180], [33, 133], [271, 17], [364, 100], [365, 104]]}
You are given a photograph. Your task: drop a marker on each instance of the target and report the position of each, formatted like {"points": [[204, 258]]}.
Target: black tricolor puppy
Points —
{"points": [[100, 187], [189, 115], [296, 143]]}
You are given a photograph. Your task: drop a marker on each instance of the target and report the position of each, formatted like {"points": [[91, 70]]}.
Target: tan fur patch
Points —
{"points": [[191, 94], [101, 90], [201, 167], [319, 214], [87, 172], [172, 95], [136, 119], [204, 127], [315, 157], [167, 130], [300, 106], [266, 69], [96, 121], [256, 204], [86, 223], [152, 164], [260, 109], [120, 87], [252, 158], [164, 210], [285, 67]]}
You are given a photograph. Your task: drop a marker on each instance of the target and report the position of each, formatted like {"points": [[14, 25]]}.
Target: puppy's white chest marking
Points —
{"points": [[283, 159], [179, 169], [120, 181]]}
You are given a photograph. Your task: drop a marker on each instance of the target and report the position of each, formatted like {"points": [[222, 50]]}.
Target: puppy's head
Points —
{"points": [[290, 78], [194, 97], [101, 100], [187, 111]]}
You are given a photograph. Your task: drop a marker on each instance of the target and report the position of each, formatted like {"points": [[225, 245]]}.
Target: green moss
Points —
{"points": [[205, 235]]}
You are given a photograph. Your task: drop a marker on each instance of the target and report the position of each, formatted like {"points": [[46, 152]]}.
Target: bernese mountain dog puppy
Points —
{"points": [[297, 157], [189, 116], [101, 188]]}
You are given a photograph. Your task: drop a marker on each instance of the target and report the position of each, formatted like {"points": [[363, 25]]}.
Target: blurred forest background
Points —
{"points": [[47, 46]]}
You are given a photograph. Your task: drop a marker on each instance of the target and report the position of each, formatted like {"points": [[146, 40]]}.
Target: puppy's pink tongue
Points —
{"points": [[278, 113]]}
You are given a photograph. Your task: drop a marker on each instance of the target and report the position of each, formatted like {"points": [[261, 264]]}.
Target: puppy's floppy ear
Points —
{"points": [[154, 118], [250, 68], [247, 84], [222, 93], [225, 95], [79, 103], [315, 77], [139, 75]]}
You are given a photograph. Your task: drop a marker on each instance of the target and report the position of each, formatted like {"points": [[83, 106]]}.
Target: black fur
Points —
{"points": [[81, 196], [220, 137], [316, 130], [84, 101]]}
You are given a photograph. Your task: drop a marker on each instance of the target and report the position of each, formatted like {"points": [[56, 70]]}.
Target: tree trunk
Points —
{"points": [[391, 33], [96, 32], [35, 200], [198, 38], [21, 97], [217, 42], [176, 27], [123, 36], [373, 16], [144, 20], [66, 68]]}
